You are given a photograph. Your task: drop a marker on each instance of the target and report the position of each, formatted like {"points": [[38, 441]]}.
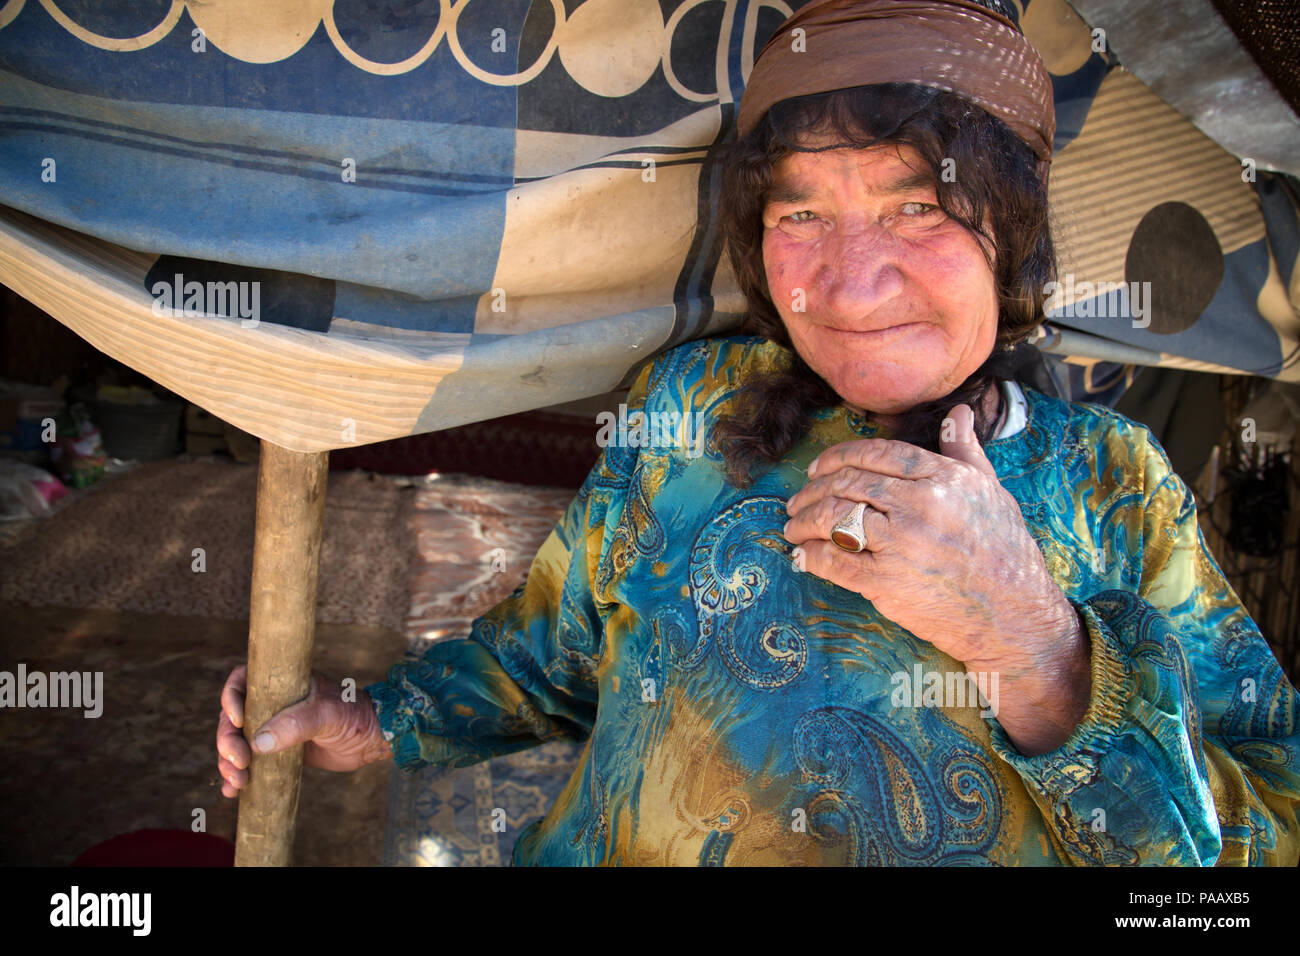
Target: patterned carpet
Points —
{"points": [[444, 817], [127, 544]]}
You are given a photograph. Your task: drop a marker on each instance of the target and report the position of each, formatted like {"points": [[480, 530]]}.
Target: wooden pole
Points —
{"points": [[281, 629]]}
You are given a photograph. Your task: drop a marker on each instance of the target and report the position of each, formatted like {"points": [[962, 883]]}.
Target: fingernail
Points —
{"points": [[812, 468], [263, 742], [785, 531], [797, 559]]}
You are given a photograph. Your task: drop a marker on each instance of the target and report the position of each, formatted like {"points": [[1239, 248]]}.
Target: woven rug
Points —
{"points": [[441, 817], [128, 543]]}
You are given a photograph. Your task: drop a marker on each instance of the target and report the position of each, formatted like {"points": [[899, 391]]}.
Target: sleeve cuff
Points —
{"points": [[1075, 762], [399, 724]]}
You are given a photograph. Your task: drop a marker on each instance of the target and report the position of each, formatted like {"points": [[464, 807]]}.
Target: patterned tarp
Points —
{"points": [[458, 209]]}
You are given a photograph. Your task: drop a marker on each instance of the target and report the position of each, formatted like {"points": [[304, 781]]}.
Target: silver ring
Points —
{"points": [[848, 534]]}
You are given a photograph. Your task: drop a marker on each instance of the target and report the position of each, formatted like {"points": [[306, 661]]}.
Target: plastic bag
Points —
{"points": [[27, 491], [78, 453]]}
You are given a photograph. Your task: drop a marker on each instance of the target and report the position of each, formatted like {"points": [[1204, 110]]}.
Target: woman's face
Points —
{"points": [[883, 295]]}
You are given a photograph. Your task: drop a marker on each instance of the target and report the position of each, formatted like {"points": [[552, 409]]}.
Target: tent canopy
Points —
{"points": [[448, 211]]}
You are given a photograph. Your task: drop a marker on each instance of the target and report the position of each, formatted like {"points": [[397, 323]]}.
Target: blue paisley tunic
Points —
{"points": [[735, 711]]}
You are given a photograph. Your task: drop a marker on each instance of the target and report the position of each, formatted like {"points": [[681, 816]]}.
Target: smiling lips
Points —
{"points": [[886, 329]]}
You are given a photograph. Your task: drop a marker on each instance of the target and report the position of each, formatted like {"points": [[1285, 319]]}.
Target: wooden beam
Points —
{"points": [[281, 630]]}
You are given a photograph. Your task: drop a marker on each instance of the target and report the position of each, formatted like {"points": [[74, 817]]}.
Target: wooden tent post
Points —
{"points": [[281, 629]]}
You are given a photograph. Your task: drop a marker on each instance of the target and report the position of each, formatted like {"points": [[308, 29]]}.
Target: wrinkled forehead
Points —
{"points": [[821, 157]]}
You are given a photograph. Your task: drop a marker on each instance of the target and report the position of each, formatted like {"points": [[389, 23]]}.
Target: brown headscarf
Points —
{"points": [[953, 45]]}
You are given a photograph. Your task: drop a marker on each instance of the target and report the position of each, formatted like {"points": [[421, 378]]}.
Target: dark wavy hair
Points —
{"points": [[996, 178]]}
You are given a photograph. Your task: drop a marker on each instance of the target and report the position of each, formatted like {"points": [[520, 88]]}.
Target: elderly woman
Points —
{"points": [[901, 610]]}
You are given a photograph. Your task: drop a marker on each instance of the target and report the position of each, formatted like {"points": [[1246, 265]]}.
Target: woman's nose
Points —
{"points": [[860, 272]]}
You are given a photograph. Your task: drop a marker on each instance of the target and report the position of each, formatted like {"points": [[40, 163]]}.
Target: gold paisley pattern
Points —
{"points": [[739, 712]]}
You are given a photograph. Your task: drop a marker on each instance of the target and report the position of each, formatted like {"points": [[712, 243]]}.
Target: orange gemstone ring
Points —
{"points": [[849, 533]]}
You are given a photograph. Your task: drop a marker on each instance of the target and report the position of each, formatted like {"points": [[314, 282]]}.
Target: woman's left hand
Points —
{"points": [[948, 555]]}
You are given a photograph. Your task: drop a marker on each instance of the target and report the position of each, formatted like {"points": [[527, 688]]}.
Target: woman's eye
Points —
{"points": [[919, 208], [803, 225]]}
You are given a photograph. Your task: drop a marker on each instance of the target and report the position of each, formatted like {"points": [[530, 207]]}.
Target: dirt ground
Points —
{"points": [[149, 760]]}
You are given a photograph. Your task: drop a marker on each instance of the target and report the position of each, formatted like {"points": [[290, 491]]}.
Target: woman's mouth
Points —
{"points": [[886, 332]]}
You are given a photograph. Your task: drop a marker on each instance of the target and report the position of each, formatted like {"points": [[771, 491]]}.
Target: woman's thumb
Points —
{"points": [[296, 724]]}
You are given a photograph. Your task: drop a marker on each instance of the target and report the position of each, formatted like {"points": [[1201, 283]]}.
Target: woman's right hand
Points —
{"points": [[338, 735]]}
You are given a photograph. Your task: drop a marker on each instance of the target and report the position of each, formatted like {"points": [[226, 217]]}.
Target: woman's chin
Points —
{"points": [[879, 400]]}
